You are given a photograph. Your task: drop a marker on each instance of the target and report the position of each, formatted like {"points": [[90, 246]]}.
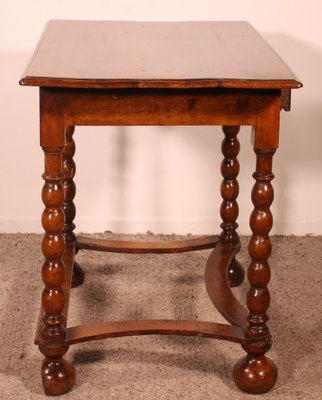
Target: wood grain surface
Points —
{"points": [[104, 54]]}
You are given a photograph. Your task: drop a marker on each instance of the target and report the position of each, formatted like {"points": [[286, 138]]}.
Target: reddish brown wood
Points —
{"points": [[58, 376], [124, 246], [286, 99], [69, 170], [255, 373], [154, 107], [179, 74], [229, 191], [96, 54], [112, 329], [236, 273], [217, 285], [53, 245], [229, 187]]}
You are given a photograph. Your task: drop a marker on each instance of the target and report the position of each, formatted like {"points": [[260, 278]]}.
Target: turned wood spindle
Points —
{"points": [[256, 373], [69, 170], [229, 191], [58, 376], [53, 245], [229, 186]]}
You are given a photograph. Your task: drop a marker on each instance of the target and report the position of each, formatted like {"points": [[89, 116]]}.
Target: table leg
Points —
{"points": [[229, 192], [69, 169], [58, 375], [256, 373]]}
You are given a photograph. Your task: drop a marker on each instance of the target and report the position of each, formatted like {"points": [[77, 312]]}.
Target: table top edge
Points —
{"points": [[159, 83]]}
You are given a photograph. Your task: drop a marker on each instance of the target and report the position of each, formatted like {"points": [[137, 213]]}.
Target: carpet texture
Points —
{"points": [[160, 286]]}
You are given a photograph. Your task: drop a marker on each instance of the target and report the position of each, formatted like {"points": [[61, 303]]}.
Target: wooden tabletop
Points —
{"points": [[101, 54]]}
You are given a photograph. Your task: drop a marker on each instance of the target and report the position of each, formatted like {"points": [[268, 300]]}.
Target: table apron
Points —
{"points": [[88, 107]]}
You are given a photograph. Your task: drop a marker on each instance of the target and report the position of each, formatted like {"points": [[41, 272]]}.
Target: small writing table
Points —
{"points": [[132, 73]]}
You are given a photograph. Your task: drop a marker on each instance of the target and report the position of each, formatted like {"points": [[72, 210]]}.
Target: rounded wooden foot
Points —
{"points": [[78, 275], [235, 273], [58, 376], [255, 374]]}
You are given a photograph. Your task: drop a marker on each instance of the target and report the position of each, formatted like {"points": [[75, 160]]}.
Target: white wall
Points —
{"points": [[164, 179]]}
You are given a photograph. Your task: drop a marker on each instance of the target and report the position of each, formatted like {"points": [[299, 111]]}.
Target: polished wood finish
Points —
{"points": [[53, 244], [58, 376], [124, 246], [229, 187], [229, 191], [96, 54], [120, 73], [255, 374], [112, 329], [153, 106], [69, 170], [257, 335], [218, 287]]}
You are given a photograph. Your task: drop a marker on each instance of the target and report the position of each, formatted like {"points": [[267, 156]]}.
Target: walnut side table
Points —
{"points": [[132, 73]]}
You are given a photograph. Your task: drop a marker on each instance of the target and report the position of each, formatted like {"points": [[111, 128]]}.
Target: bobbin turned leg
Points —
{"points": [[69, 169], [256, 373], [229, 192], [58, 376]]}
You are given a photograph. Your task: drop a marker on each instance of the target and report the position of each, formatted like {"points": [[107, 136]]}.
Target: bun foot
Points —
{"points": [[78, 275], [255, 374], [235, 273], [58, 376]]}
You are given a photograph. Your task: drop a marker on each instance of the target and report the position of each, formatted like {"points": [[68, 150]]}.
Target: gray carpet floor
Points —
{"points": [[164, 286]]}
